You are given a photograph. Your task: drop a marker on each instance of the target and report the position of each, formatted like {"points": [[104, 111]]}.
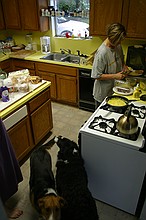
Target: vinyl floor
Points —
{"points": [[67, 121]]}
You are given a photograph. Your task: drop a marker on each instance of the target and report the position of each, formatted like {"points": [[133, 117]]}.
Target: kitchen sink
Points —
{"points": [[71, 59], [62, 57], [54, 56]]}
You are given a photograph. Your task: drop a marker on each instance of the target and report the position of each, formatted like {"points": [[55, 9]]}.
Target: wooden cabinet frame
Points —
{"points": [[131, 13], [63, 82], [28, 132], [25, 15], [21, 138]]}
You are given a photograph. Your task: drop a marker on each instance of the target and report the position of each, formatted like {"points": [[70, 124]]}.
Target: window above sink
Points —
{"points": [[71, 18]]}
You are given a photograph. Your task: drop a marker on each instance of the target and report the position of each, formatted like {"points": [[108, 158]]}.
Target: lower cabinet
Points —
{"points": [[66, 88], [63, 82], [40, 113], [21, 138], [19, 64], [52, 78], [6, 65], [41, 120], [30, 130]]}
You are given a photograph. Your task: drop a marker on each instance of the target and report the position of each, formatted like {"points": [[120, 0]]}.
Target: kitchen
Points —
{"points": [[86, 46]]}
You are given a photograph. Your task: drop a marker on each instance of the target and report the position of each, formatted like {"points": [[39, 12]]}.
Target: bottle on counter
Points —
{"points": [[4, 94], [73, 36]]}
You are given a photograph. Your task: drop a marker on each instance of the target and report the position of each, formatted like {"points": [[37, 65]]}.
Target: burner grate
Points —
{"points": [[103, 124], [109, 126], [137, 111]]}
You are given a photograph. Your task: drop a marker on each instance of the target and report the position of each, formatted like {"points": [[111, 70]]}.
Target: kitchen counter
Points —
{"points": [[24, 115], [35, 56], [20, 98]]}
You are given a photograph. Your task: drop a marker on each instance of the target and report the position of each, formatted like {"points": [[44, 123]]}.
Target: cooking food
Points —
{"points": [[35, 79], [116, 102], [123, 90]]}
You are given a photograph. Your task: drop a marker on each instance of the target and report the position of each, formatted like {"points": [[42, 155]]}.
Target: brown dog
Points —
{"points": [[42, 184]]}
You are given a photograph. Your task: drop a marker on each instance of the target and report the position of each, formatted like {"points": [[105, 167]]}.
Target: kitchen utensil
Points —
{"points": [[127, 124]]}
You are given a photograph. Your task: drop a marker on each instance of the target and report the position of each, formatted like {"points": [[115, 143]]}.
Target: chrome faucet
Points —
{"points": [[65, 50]]}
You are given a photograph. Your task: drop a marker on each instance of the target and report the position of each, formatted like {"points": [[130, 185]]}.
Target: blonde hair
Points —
{"points": [[116, 32]]}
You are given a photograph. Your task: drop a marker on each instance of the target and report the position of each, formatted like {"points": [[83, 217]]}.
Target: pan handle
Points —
{"points": [[132, 100]]}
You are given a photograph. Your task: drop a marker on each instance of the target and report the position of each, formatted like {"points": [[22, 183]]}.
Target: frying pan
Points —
{"points": [[117, 101]]}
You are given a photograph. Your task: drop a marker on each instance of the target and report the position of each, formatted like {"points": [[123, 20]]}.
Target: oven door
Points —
{"points": [[86, 100]]}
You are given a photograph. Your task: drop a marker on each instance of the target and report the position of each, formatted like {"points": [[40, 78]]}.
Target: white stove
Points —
{"points": [[102, 123], [115, 164]]}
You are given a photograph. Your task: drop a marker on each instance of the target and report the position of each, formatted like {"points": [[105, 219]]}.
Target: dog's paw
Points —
{"points": [[56, 139]]}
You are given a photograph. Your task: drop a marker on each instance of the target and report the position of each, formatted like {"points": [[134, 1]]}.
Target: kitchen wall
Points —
{"points": [[86, 46]]}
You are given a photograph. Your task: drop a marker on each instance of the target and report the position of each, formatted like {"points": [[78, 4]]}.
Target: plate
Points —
{"points": [[136, 73], [116, 90]]}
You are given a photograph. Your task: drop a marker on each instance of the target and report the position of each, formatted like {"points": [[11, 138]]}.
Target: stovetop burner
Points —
{"points": [[137, 111], [109, 126]]}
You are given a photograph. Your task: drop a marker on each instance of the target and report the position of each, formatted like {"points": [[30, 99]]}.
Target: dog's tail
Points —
{"points": [[49, 144]]}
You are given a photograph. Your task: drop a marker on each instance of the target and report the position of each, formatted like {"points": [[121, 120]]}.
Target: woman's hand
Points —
{"points": [[119, 75]]}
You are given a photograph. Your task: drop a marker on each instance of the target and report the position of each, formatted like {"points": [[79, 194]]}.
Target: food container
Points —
{"points": [[123, 87], [122, 84], [131, 81], [142, 84]]}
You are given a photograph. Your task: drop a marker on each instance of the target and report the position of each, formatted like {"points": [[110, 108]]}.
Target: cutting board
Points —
{"points": [[22, 53]]}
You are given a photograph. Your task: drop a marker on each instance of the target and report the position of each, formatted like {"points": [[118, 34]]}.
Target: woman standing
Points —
{"points": [[108, 63]]}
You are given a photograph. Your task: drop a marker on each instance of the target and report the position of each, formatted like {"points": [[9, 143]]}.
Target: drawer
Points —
{"points": [[71, 71], [14, 118], [23, 64], [5, 64], [39, 100]]}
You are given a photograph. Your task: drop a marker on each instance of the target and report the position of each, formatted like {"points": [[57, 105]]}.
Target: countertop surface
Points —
{"points": [[19, 99], [35, 56]]}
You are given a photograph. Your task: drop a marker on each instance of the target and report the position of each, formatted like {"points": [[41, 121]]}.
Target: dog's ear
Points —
{"points": [[62, 202]]}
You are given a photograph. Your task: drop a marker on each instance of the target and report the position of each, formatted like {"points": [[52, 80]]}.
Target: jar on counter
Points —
{"points": [[3, 74]]}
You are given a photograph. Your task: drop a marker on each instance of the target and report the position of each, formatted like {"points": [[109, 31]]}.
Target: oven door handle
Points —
{"points": [[85, 74]]}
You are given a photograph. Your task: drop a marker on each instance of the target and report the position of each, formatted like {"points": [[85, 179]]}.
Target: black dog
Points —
{"points": [[71, 182], [42, 184]]}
